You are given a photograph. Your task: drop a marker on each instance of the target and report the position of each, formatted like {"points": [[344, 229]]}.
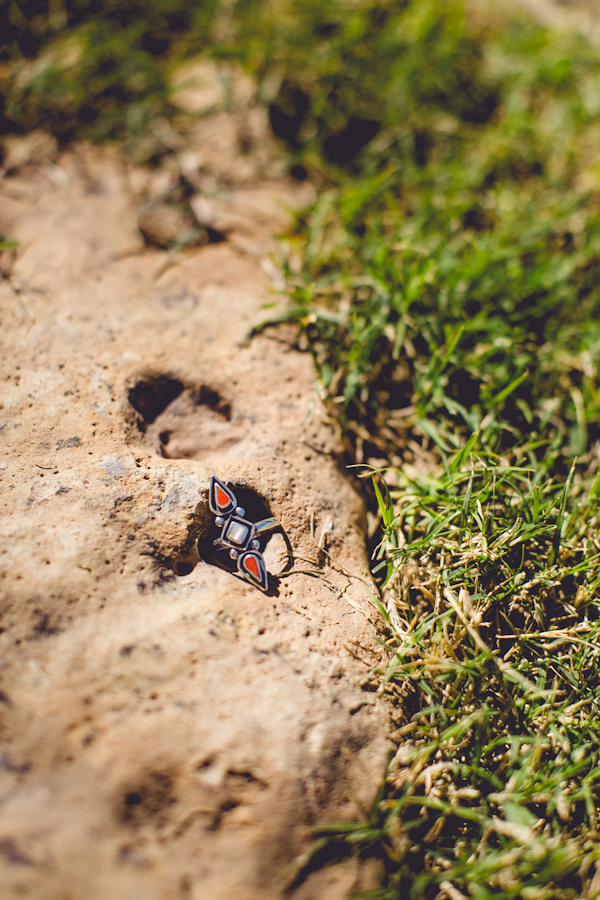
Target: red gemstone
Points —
{"points": [[222, 498], [253, 567]]}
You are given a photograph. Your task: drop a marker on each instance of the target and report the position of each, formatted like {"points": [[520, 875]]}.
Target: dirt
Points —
{"points": [[167, 730]]}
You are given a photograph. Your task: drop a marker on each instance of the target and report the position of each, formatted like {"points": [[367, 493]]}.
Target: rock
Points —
{"points": [[166, 224], [200, 86], [167, 730], [30, 149]]}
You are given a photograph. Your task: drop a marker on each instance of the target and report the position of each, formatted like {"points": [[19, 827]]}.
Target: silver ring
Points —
{"points": [[239, 534]]}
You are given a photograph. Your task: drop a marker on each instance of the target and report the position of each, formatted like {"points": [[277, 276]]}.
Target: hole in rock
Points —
{"points": [[151, 397], [148, 800], [185, 421], [214, 236]]}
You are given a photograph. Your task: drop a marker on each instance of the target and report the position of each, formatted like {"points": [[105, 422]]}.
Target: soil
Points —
{"points": [[168, 730]]}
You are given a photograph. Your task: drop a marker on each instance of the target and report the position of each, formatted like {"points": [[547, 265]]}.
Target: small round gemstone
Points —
{"points": [[219, 521]]}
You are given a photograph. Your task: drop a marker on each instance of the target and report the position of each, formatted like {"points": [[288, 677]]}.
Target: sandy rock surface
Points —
{"points": [[166, 729]]}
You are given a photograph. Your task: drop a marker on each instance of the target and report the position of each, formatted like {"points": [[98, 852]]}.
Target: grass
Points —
{"points": [[447, 290], [448, 293], [97, 69], [446, 283], [491, 574]]}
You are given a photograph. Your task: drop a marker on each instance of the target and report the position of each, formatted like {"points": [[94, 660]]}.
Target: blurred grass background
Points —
{"points": [[446, 282]]}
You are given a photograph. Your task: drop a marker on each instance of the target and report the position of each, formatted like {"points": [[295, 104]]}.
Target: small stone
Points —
{"points": [[237, 533], [165, 224]]}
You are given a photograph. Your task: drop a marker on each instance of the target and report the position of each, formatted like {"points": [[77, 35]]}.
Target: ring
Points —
{"points": [[239, 534]]}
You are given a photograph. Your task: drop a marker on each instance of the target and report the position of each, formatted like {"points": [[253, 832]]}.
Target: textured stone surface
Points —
{"points": [[167, 731]]}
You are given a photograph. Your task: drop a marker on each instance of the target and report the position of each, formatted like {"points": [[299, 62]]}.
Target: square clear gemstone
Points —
{"points": [[237, 533]]}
